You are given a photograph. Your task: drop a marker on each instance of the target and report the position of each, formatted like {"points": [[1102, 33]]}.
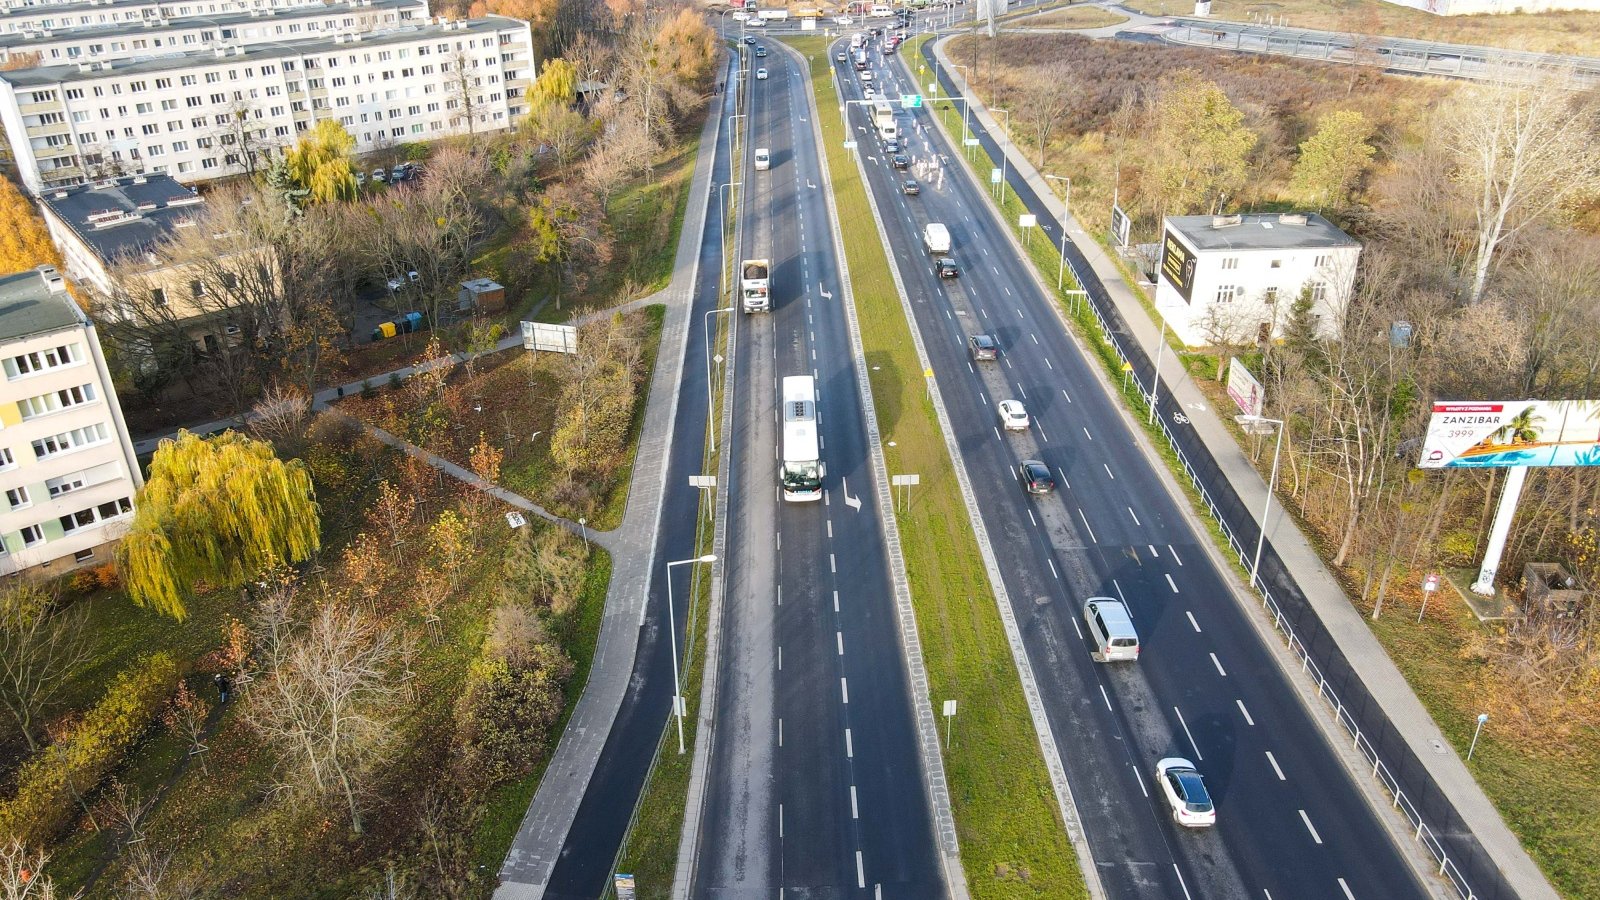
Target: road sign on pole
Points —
{"points": [[949, 716], [1430, 583], [910, 101]]}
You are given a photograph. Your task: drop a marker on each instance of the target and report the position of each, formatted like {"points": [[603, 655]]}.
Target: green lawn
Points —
{"points": [[1013, 843]]}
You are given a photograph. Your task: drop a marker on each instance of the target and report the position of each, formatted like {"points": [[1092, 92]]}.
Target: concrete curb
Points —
{"points": [[526, 870], [934, 780], [1323, 593]]}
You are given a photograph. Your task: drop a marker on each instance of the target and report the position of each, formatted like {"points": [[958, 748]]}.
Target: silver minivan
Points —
{"points": [[1111, 633]]}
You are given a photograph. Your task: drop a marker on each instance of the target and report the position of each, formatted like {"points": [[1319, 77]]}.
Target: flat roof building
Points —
{"points": [[68, 474], [215, 108], [1235, 279]]}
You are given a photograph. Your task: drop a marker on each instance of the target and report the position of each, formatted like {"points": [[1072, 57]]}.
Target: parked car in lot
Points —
{"points": [[1036, 477], [910, 187], [901, 161], [379, 175], [945, 267], [982, 348], [397, 283], [1186, 793], [1013, 417]]}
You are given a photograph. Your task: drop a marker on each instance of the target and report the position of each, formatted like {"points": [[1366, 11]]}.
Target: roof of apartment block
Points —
{"points": [[1261, 231], [28, 306], [403, 34], [217, 20], [124, 216]]}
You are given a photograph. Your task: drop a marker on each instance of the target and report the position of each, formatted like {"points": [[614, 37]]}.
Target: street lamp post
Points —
{"points": [[1066, 213], [966, 132], [733, 140], [705, 321], [1004, 156], [672, 633], [1266, 507], [1155, 380]]}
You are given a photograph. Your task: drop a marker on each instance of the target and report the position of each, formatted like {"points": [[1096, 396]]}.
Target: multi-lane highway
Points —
{"points": [[815, 786], [1291, 821]]}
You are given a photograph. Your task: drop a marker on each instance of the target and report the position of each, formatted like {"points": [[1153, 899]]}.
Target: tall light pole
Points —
{"points": [[1066, 213], [1004, 156], [966, 107], [705, 321], [1272, 483], [672, 632], [1155, 380]]}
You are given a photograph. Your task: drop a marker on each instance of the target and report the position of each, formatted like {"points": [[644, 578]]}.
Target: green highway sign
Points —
{"points": [[910, 101]]}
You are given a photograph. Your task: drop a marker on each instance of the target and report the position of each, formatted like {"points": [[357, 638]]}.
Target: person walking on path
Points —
{"points": [[223, 686]]}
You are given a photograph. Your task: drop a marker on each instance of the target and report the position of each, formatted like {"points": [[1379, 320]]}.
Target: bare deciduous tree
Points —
{"points": [[1051, 92], [22, 873], [39, 647], [1524, 146], [328, 707]]}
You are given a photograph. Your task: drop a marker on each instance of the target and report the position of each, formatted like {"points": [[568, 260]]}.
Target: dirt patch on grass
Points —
{"points": [[1074, 17]]}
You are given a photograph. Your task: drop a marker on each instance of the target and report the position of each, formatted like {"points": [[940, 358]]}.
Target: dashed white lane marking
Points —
{"points": [[1034, 336], [830, 529], [1066, 395], [833, 567], [844, 689], [1309, 827], [780, 732], [1048, 365], [1174, 554], [1218, 663], [1076, 628], [1032, 519], [780, 659], [1108, 471], [835, 601], [1172, 584], [1192, 621], [1135, 516], [1042, 435], [1088, 526], [1087, 434], [1181, 884], [1197, 754], [1053, 572], [1346, 888], [1274, 760], [1139, 778], [849, 745], [855, 811], [1104, 696], [861, 875], [840, 636], [1245, 713]]}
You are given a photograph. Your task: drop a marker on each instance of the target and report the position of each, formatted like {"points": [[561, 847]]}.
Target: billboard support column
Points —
{"points": [[1509, 497]]}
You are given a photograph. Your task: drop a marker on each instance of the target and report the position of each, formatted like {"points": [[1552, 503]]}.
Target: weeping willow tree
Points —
{"points": [[220, 510]]}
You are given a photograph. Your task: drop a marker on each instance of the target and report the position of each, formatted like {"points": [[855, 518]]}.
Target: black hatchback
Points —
{"points": [[946, 267], [901, 161], [1036, 477]]}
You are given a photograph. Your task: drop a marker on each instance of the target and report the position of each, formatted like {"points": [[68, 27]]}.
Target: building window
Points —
{"points": [[1230, 262], [158, 296], [1324, 260], [18, 498], [1226, 293], [32, 535], [83, 556], [1319, 291], [66, 484], [94, 515], [42, 361], [55, 401], [1271, 296], [67, 441], [7, 459], [1277, 264]]}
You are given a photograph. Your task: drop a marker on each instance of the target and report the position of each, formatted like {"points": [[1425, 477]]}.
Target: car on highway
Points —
{"points": [[1036, 477], [866, 75], [842, 20], [1111, 631], [842, 57], [983, 348], [892, 145], [945, 267], [749, 40], [1186, 793], [910, 187], [1012, 415], [867, 93], [901, 161], [761, 51], [761, 74]]}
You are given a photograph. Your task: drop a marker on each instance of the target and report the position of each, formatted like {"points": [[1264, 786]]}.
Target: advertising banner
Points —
{"points": [[1121, 226], [1177, 265], [1513, 433], [551, 338], [1244, 388]]}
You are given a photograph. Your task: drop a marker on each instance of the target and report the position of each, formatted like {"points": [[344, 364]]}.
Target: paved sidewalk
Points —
{"points": [[544, 829], [1341, 620]]}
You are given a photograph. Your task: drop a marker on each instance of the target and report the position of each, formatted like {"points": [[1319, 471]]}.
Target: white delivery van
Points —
{"points": [[936, 238], [763, 159]]}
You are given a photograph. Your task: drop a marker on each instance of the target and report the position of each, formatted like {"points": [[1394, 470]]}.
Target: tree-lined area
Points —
{"points": [[321, 666], [1478, 208]]}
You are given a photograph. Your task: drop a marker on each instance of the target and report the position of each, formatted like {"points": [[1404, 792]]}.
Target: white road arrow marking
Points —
{"points": [[826, 295], [810, 185], [852, 502]]}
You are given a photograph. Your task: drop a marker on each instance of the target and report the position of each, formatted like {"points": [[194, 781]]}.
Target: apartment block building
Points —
{"points": [[195, 114], [68, 473], [34, 15]]}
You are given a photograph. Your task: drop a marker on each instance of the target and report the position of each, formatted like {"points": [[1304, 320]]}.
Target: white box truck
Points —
{"points": [[936, 238], [763, 159], [753, 285]]}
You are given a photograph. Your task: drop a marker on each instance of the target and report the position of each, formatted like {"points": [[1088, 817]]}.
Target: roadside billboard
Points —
{"points": [[1121, 226], [1512, 433], [1244, 388], [1177, 265], [550, 338]]}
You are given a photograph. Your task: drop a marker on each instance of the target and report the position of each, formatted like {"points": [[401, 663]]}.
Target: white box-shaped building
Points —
{"points": [[1234, 279]]}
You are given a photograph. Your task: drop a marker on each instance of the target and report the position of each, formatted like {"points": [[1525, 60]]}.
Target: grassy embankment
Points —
{"points": [[1013, 843]]}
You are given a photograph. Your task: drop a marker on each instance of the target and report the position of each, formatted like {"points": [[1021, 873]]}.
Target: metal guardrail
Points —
{"points": [[1469, 61], [1422, 833]]}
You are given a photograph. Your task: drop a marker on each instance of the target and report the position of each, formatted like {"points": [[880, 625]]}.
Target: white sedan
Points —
{"points": [[1186, 793], [1012, 416], [866, 76], [842, 20], [868, 93], [761, 74]]}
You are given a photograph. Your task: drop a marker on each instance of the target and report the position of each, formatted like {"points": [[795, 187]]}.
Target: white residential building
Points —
{"points": [[68, 474], [1236, 278], [37, 15], [180, 114]]}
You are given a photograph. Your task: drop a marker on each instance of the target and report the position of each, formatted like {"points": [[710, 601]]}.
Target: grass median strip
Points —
{"points": [[1013, 843]]}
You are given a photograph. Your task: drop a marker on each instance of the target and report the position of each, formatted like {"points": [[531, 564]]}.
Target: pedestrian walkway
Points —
{"points": [[544, 828], [1338, 617]]}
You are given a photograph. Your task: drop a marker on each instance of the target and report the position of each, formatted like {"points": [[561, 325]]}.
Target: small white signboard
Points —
{"points": [[553, 338]]}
